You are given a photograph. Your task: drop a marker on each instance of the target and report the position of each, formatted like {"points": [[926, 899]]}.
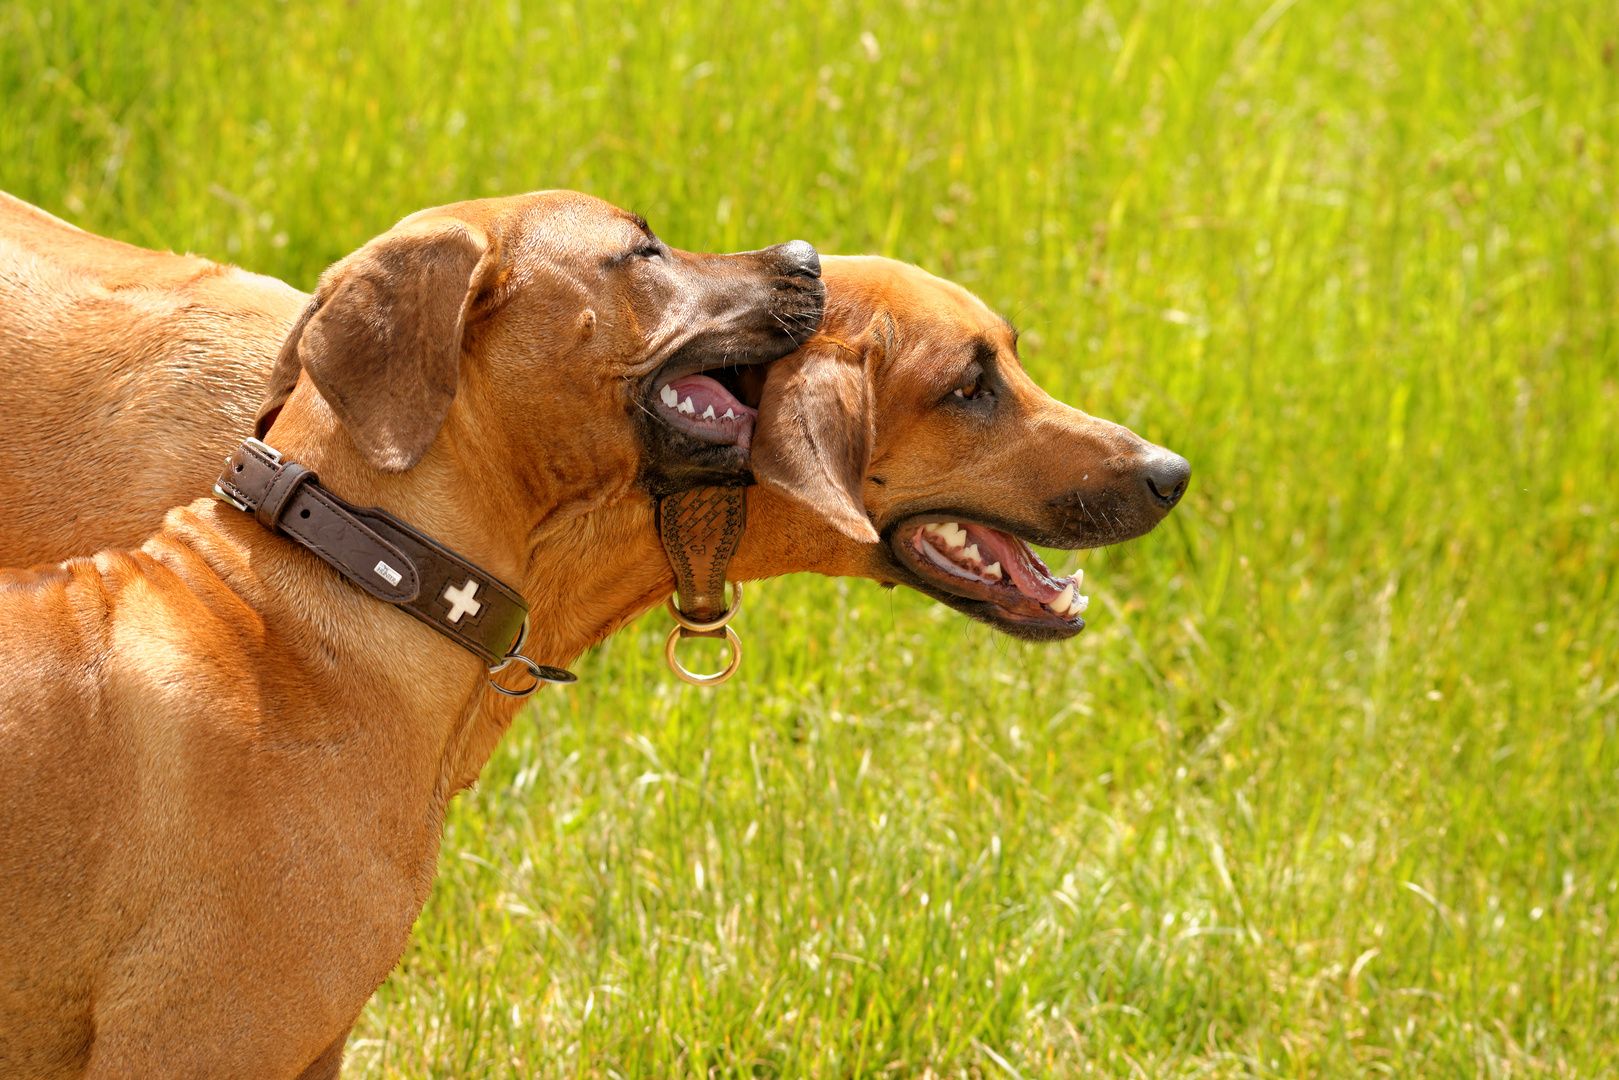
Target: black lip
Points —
{"points": [[1051, 628], [677, 460], [681, 459]]}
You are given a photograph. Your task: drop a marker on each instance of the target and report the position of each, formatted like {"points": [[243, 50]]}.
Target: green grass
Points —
{"points": [[1331, 785]]}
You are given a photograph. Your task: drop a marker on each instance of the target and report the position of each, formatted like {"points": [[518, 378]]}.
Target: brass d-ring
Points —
{"points": [[704, 627], [703, 680]]}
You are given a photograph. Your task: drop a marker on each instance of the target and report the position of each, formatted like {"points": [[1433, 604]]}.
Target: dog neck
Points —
{"points": [[583, 549]]}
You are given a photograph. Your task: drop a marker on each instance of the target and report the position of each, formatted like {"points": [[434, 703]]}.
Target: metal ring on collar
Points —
{"points": [[704, 627], [715, 679], [540, 673]]}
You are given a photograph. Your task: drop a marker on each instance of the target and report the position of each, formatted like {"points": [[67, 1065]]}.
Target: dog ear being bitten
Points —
{"points": [[817, 425], [381, 340]]}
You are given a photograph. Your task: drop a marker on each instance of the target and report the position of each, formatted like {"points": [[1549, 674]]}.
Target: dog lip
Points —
{"points": [[1017, 602], [690, 363]]}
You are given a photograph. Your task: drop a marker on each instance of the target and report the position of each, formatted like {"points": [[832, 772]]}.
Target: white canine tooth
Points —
{"points": [[1064, 601], [972, 553], [709, 414], [670, 398], [1079, 577], [729, 415], [687, 407], [993, 570]]}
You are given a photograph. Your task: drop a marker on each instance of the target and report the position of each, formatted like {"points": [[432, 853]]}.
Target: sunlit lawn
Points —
{"points": [[1329, 786]]}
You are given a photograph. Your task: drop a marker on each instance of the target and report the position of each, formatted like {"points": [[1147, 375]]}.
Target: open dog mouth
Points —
{"points": [[1002, 577], [701, 405]]}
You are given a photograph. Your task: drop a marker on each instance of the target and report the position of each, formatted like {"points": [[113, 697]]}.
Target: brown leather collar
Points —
{"points": [[382, 555]]}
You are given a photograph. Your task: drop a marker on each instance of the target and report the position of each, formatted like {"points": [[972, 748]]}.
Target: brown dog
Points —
{"points": [[216, 848], [223, 769], [130, 374]]}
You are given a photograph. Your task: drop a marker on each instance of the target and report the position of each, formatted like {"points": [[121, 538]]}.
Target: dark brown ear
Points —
{"points": [[382, 338], [816, 427]]}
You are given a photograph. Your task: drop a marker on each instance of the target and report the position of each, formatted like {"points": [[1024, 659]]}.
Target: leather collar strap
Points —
{"points": [[700, 530], [378, 552]]}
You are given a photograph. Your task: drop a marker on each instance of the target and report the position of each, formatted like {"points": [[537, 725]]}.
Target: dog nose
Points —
{"points": [[799, 259], [1165, 474]]}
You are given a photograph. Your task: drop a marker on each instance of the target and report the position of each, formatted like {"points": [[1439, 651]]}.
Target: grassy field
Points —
{"points": [[1330, 787]]}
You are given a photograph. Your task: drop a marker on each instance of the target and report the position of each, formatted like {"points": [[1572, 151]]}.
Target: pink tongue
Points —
{"points": [[705, 392], [1028, 573]]}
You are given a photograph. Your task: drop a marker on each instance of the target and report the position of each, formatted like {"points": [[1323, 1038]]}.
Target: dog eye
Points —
{"points": [[971, 392], [650, 251]]}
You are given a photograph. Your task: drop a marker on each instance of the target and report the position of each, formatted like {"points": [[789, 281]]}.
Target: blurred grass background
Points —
{"points": [[1329, 786]]}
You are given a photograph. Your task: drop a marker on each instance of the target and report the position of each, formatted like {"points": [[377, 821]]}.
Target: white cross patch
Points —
{"points": [[461, 600]]}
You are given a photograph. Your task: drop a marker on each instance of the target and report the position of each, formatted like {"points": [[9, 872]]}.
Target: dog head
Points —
{"points": [[909, 427], [544, 317]]}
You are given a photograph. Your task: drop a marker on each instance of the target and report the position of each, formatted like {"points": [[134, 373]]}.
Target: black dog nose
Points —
{"points": [[799, 259], [1165, 475]]}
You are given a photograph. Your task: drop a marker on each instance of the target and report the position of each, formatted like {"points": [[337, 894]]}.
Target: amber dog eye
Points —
{"points": [[971, 391]]}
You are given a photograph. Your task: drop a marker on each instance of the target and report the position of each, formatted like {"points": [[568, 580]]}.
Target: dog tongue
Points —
{"points": [[704, 392], [703, 406], [1031, 576]]}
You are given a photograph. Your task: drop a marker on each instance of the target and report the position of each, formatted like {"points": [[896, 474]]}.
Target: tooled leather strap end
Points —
{"points": [[700, 529]]}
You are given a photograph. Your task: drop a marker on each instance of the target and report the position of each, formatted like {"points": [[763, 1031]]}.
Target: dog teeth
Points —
{"points": [[729, 415], [670, 398], [953, 535], [1079, 577], [687, 407], [993, 571], [709, 414], [1068, 602], [972, 553]]}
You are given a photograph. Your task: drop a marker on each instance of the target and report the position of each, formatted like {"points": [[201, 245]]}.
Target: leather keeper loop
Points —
{"points": [[283, 486]]}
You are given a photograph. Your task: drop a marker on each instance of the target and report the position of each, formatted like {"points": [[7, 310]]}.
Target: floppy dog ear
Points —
{"points": [[382, 338], [816, 428]]}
